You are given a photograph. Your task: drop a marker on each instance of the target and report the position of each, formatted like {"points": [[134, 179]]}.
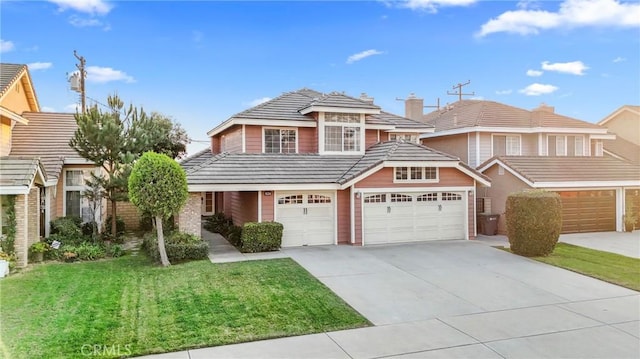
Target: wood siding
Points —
{"points": [[501, 186], [471, 216], [253, 139], [231, 140], [15, 99], [215, 145], [357, 218], [485, 146], [344, 216], [244, 207], [371, 138], [5, 137], [529, 144], [267, 207], [307, 140], [448, 177], [471, 146], [626, 125], [455, 145]]}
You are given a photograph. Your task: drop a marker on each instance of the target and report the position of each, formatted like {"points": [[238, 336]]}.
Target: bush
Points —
{"points": [[120, 226], [88, 227], [261, 237], [234, 236], [114, 251], [534, 222], [180, 246], [66, 230], [218, 223], [146, 224]]}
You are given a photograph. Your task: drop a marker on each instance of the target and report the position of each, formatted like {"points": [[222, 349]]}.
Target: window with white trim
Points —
{"points": [[4, 218], [403, 137], [293, 199], [342, 132], [73, 187], [318, 198], [506, 145], [280, 140], [415, 174], [448, 196], [565, 145], [375, 198]]}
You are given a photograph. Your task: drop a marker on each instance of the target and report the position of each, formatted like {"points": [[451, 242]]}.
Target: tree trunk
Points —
{"points": [[163, 252], [114, 228]]}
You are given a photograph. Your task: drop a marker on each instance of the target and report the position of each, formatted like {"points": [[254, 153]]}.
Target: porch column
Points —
{"points": [[189, 218], [22, 223]]}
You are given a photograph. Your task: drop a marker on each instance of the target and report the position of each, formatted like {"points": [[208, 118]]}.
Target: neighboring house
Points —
{"points": [[332, 169], [520, 149], [38, 169], [625, 124]]}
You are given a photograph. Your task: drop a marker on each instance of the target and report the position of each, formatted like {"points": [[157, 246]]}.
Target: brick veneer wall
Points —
{"points": [[27, 224], [189, 219], [129, 214]]}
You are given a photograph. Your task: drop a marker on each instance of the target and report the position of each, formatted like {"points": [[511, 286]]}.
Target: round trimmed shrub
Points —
{"points": [[534, 222]]}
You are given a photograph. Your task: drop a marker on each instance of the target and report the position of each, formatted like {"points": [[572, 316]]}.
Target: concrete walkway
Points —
{"points": [[453, 299], [221, 251], [624, 243]]}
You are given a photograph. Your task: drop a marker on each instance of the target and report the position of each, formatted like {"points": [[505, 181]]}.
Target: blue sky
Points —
{"points": [[202, 61]]}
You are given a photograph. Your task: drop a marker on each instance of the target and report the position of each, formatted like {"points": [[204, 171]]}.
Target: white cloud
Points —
{"points": [[433, 5], [6, 46], [107, 74], [504, 92], [99, 7], [619, 59], [34, 66], [537, 89], [74, 107], [571, 14], [257, 101], [361, 55], [573, 68], [534, 73]]}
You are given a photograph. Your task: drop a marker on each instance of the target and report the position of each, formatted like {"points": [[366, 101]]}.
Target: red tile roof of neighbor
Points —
{"points": [[477, 113]]}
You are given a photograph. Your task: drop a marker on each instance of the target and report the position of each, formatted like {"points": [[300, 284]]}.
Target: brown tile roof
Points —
{"points": [[47, 137], [19, 171], [9, 73], [337, 99], [623, 148], [477, 113], [266, 168], [569, 169]]}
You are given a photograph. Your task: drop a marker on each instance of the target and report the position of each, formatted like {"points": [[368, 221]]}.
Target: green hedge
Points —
{"points": [[261, 237], [534, 222], [180, 246]]}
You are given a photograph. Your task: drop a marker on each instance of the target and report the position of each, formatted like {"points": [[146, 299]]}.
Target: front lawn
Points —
{"points": [[610, 267], [127, 306]]}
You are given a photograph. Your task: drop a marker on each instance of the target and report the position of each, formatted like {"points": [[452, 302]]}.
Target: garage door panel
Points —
{"points": [[308, 218]]}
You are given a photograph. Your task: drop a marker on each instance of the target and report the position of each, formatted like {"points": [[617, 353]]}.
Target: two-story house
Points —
{"points": [[539, 149], [41, 177], [333, 169]]}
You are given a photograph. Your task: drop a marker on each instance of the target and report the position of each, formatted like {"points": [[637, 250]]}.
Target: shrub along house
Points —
{"points": [[539, 149], [41, 177], [333, 169]]}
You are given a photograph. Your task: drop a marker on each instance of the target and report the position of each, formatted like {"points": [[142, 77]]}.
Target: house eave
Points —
{"points": [[259, 122], [13, 116], [262, 187], [13, 190], [315, 108]]}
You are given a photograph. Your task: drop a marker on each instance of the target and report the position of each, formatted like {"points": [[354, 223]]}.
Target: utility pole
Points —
{"points": [[436, 106], [459, 93], [83, 73]]}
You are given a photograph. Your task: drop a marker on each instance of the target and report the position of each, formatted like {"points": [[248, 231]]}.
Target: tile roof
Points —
{"points": [[265, 168], [477, 113], [623, 148], [570, 169], [47, 137], [9, 73], [18, 171], [288, 106]]}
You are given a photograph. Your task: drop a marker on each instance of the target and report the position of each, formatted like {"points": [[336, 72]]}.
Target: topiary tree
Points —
{"points": [[534, 222], [158, 186]]}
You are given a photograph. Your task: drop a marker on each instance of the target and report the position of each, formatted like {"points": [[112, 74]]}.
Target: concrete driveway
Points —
{"points": [[455, 299]]}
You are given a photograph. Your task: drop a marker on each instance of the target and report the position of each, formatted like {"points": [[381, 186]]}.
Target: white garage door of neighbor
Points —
{"points": [[307, 217], [410, 217]]}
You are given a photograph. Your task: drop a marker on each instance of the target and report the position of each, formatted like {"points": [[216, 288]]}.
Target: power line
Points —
{"points": [[459, 93]]}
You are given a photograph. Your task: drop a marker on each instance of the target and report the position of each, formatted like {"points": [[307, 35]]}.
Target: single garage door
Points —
{"points": [[410, 217], [588, 211], [307, 217]]}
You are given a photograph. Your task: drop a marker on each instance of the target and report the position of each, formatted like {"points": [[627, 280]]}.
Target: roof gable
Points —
{"points": [[12, 75], [626, 108], [17, 174]]}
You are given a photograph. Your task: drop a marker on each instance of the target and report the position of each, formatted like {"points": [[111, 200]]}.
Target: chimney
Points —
{"points": [[545, 108], [365, 98], [413, 107]]}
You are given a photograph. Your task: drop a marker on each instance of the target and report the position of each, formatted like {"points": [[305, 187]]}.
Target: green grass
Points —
{"points": [[127, 306], [609, 267]]}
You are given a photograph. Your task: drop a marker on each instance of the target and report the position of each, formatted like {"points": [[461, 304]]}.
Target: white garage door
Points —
{"points": [[307, 217], [409, 217]]}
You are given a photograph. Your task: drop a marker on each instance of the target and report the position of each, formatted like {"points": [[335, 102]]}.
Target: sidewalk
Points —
{"points": [[221, 251]]}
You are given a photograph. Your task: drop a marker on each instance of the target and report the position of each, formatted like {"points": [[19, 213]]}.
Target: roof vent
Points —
{"points": [[364, 97]]}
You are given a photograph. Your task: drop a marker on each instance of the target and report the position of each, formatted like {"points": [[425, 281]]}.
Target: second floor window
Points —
{"points": [[404, 137], [416, 174], [506, 145], [278, 140], [561, 145], [342, 132]]}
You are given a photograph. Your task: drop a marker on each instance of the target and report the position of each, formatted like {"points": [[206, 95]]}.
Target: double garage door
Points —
{"points": [[408, 217], [588, 211]]}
